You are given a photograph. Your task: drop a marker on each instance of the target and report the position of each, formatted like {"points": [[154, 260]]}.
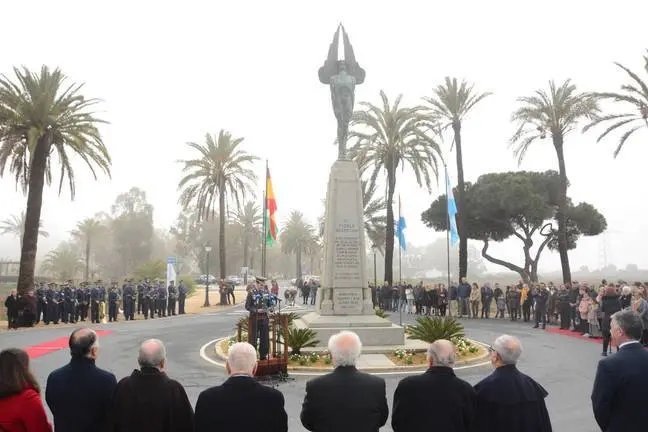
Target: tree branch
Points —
{"points": [[508, 265]]}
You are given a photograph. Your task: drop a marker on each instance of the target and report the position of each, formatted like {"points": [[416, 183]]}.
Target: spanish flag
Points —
{"points": [[271, 206]]}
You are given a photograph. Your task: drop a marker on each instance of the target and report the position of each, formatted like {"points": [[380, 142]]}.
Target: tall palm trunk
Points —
{"points": [[298, 262], [461, 220], [87, 260], [562, 210], [221, 230], [33, 214], [389, 239]]}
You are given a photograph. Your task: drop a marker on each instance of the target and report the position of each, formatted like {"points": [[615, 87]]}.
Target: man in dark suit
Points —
{"points": [[346, 399], [437, 394], [241, 404], [79, 393], [507, 399], [620, 394]]}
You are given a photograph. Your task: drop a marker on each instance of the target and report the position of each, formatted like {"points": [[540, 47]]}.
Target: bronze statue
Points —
{"points": [[342, 76]]}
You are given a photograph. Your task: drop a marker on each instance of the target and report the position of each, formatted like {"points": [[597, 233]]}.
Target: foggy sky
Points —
{"points": [[171, 71]]}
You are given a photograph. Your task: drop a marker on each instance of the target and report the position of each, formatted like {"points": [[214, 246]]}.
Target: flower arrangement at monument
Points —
{"points": [[265, 300]]}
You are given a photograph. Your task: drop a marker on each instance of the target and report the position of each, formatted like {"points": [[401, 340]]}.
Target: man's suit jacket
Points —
{"points": [[241, 404], [345, 400], [79, 395], [436, 398], [620, 393]]}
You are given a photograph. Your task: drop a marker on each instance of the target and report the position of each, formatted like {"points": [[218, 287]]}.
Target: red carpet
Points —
{"points": [[55, 345], [576, 335]]}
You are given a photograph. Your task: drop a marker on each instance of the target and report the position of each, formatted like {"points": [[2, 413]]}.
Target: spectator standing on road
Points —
{"points": [[463, 295], [182, 297], [79, 393], [437, 399], [148, 400], [11, 303], [345, 399], [619, 395], [241, 404], [507, 399], [21, 408]]}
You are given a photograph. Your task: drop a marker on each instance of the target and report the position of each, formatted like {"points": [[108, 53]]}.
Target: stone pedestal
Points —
{"points": [[344, 299]]}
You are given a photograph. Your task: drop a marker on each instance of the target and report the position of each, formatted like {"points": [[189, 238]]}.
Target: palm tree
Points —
{"points": [[388, 136], [63, 262], [15, 226], [40, 115], [634, 94], [556, 113], [450, 104], [220, 171], [86, 232], [298, 237], [249, 219]]}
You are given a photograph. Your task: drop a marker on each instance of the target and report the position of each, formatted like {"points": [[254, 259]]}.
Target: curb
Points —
{"points": [[309, 371]]}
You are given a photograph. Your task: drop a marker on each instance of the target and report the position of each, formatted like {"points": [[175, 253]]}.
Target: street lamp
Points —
{"points": [[374, 249], [208, 249]]}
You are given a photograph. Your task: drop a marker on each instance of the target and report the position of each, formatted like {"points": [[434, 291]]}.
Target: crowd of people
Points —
{"points": [[579, 307], [82, 396], [53, 303]]}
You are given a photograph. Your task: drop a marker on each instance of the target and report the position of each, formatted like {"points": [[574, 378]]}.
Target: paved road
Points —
{"points": [[564, 366]]}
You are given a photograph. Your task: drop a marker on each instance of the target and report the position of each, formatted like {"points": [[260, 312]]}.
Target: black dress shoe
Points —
{"points": [[536, 326]]}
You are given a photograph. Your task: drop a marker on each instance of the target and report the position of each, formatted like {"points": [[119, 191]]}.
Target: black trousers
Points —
{"points": [[52, 313], [171, 307], [526, 311], [161, 307], [112, 311], [41, 309], [231, 294], [540, 315], [515, 312], [485, 311], [146, 304], [565, 316], [258, 330], [94, 312], [140, 303], [181, 304]]}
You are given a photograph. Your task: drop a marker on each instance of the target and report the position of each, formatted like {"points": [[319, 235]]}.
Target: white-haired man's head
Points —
{"points": [[506, 350], [626, 290], [345, 348], [241, 359], [441, 353], [152, 353]]}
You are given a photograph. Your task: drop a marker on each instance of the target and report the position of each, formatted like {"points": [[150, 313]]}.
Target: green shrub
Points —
{"points": [[430, 329], [301, 338], [381, 313]]}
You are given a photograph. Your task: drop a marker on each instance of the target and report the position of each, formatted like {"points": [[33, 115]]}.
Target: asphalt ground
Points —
{"points": [[565, 366]]}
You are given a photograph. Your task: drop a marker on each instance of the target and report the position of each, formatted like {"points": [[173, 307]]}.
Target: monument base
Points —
{"points": [[373, 330]]}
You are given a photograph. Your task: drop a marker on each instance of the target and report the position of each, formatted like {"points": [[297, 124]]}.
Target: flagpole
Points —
{"points": [[400, 246], [445, 167], [264, 236]]}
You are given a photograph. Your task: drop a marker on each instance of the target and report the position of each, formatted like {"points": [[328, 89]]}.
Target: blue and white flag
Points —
{"points": [[400, 227], [452, 212]]}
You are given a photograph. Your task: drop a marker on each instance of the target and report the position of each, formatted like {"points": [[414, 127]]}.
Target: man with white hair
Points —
{"points": [[507, 399], [619, 396], [148, 400], [437, 399], [241, 404], [346, 399]]}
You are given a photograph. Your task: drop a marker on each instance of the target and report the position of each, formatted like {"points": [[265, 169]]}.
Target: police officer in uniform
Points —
{"points": [[52, 304], [129, 300], [258, 321], [162, 299], [150, 301], [69, 294], [41, 302], [541, 296], [141, 288], [182, 296], [94, 303], [113, 299], [173, 295]]}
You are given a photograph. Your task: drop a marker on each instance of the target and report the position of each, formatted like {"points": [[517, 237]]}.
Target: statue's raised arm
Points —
{"points": [[330, 65]]}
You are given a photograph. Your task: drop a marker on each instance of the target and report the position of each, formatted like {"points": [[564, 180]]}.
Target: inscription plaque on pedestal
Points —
{"points": [[346, 261], [347, 301]]}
